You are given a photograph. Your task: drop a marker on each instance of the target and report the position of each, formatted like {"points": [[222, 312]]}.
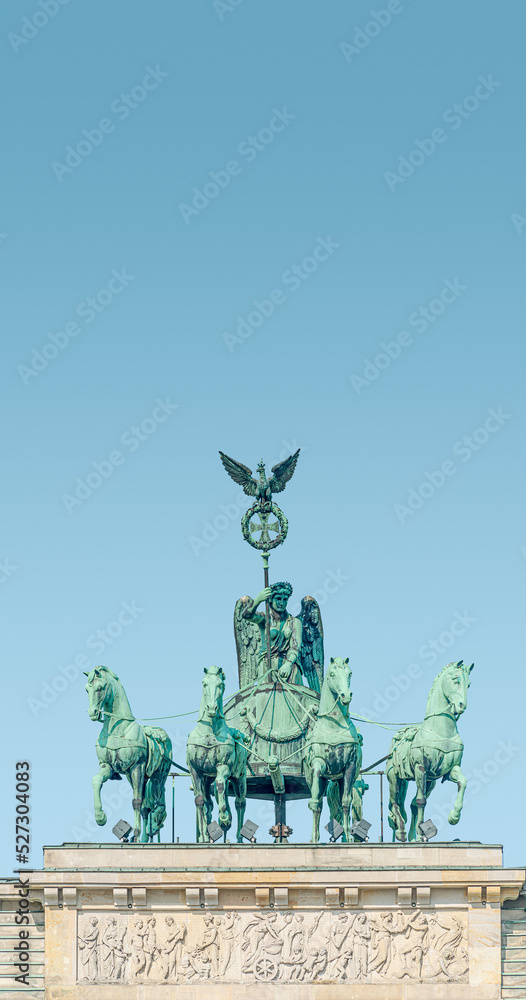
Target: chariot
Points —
{"points": [[274, 709]]}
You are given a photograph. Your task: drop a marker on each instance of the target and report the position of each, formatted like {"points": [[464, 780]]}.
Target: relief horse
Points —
{"points": [[334, 754], [143, 754], [216, 756], [428, 752]]}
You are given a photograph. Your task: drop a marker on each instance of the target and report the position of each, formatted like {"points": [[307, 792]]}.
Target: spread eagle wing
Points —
{"points": [[248, 642], [241, 474], [311, 653], [282, 472]]}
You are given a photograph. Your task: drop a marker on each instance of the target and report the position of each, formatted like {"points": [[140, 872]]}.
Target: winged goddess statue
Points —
{"points": [[296, 642], [261, 488]]}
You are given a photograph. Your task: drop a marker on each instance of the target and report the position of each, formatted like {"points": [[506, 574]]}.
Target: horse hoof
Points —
{"points": [[401, 837], [101, 818], [453, 819]]}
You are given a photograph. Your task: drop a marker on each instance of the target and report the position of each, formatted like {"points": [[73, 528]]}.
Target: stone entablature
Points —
{"points": [[358, 920]]}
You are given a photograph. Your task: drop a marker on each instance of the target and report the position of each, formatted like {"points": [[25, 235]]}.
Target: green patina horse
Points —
{"points": [[334, 754], [428, 752], [143, 754], [216, 756]]}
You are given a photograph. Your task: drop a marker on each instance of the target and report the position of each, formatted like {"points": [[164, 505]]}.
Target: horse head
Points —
{"points": [[100, 692], [213, 689], [339, 678], [455, 683]]}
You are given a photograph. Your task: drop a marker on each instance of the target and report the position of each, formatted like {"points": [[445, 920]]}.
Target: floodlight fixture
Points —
{"points": [[335, 830], [248, 831], [427, 829], [214, 832], [361, 829], [122, 831]]}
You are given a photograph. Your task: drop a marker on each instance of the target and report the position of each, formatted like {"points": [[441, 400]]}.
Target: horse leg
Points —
{"points": [[153, 808], [414, 813], [419, 802], [414, 832], [317, 787], [98, 781], [456, 775], [208, 804], [317, 812], [356, 806], [397, 794], [349, 777], [222, 780], [147, 812], [240, 802], [240, 789], [338, 785], [200, 795], [136, 777]]}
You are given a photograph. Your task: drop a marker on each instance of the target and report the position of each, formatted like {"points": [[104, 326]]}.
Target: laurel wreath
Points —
{"points": [[274, 736], [265, 508]]}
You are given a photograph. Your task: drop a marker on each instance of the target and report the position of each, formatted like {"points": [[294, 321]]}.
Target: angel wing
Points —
{"points": [[248, 641], [282, 472], [241, 474], [311, 653]]}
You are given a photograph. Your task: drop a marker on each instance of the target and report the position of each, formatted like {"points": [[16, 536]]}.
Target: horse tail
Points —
{"points": [[334, 801], [159, 763]]}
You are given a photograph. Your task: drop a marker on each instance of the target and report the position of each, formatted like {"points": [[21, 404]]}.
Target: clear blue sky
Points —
{"points": [[173, 221]]}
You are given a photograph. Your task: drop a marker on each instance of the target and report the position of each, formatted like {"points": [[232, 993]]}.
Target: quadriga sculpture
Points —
{"points": [[216, 755], [430, 751], [334, 755], [143, 754]]}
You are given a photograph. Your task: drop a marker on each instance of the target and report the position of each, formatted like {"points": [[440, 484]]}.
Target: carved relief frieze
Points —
{"points": [[293, 946]]}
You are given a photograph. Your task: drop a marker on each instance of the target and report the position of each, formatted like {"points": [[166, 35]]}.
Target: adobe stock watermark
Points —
{"points": [[478, 778], [30, 26], [454, 116], [223, 7], [420, 320], [122, 107], [519, 221], [464, 448], [131, 439], [87, 310], [6, 570], [228, 513], [380, 19], [333, 582], [293, 279], [249, 149], [434, 649], [98, 641]]}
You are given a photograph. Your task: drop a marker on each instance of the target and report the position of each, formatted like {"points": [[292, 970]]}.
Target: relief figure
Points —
{"points": [[89, 949], [171, 948]]}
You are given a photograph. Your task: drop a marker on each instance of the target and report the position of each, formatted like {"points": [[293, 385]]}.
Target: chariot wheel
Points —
{"points": [[265, 970]]}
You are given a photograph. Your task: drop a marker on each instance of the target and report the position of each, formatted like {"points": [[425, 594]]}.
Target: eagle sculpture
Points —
{"points": [[261, 488]]}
